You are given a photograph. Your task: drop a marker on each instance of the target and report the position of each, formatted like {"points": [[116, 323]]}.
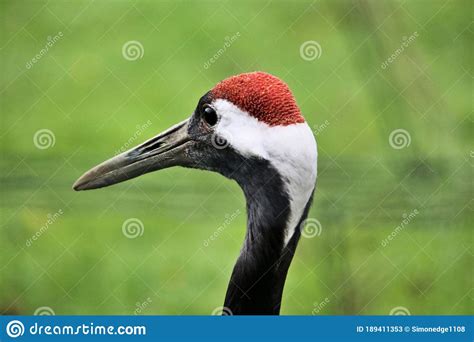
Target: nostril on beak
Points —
{"points": [[152, 145]]}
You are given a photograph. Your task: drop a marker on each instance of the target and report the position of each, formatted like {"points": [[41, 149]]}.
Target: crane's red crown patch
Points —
{"points": [[263, 96]]}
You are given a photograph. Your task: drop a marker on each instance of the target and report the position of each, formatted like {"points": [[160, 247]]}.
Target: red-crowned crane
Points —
{"points": [[249, 129]]}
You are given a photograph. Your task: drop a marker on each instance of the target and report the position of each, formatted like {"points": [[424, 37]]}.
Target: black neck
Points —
{"points": [[258, 278]]}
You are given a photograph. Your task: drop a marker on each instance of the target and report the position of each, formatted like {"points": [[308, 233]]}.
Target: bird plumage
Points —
{"points": [[261, 95], [268, 149]]}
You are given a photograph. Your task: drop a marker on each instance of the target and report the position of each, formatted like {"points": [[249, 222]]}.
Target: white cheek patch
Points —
{"points": [[291, 150]]}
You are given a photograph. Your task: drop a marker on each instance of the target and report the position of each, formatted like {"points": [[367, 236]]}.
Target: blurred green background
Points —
{"points": [[93, 101]]}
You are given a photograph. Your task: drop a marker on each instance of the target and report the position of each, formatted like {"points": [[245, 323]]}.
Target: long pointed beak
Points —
{"points": [[164, 150]]}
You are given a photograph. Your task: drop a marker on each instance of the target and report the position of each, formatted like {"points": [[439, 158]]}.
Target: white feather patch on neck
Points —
{"points": [[290, 149]]}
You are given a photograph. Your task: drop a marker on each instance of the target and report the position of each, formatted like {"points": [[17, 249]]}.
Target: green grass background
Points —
{"points": [[92, 98]]}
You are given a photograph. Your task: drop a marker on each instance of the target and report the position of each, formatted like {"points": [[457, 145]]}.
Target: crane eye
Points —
{"points": [[209, 115]]}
